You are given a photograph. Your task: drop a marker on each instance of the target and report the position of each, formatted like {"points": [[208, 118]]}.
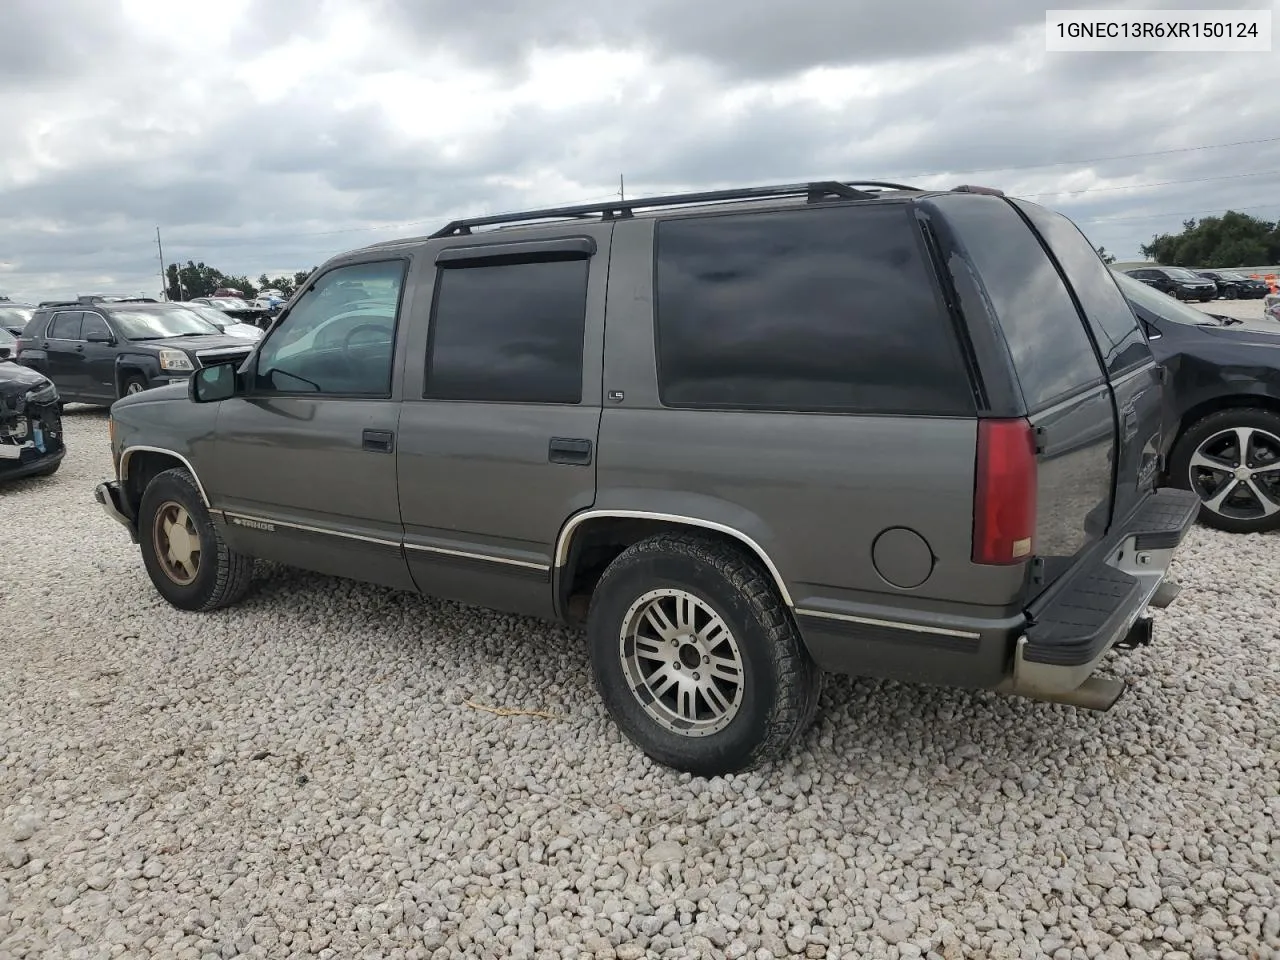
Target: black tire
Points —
{"points": [[132, 384], [222, 576], [1204, 429], [780, 682], [1232, 293]]}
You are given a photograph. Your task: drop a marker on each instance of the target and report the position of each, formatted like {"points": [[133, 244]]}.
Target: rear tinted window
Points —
{"points": [[509, 332], [1051, 352], [65, 326], [1116, 329], [812, 309]]}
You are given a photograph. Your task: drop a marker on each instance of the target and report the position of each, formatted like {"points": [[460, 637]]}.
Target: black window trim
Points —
{"points": [[506, 260], [926, 257], [251, 363]]}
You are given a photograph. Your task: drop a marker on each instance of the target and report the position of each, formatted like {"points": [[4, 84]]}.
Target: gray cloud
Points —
{"points": [[170, 138]]}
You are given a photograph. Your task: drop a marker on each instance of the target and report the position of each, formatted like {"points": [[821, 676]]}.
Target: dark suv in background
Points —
{"points": [[1177, 282], [1236, 286], [97, 350], [744, 436]]}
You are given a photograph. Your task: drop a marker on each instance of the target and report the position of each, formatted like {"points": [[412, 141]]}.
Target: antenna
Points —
{"points": [[164, 283]]}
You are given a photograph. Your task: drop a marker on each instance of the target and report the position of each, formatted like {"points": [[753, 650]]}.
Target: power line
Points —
{"points": [[1143, 186], [1174, 213], [1072, 163]]}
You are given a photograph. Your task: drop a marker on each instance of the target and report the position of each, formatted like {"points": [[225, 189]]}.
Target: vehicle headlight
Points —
{"points": [[175, 360]]}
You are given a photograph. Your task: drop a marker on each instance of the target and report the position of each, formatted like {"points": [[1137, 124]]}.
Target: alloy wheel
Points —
{"points": [[1236, 473], [682, 662], [176, 542]]}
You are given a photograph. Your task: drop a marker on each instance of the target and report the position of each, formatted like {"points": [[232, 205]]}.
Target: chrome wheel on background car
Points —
{"points": [[1231, 460], [682, 662], [177, 543]]}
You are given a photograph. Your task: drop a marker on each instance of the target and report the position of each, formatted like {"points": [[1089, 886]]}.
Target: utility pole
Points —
{"points": [[622, 187], [164, 283]]}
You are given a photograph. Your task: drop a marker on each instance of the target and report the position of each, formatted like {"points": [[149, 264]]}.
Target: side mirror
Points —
{"points": [[213, 383]]}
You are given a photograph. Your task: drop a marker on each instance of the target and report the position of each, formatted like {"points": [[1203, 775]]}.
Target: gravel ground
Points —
{"points": [[304, 775]]}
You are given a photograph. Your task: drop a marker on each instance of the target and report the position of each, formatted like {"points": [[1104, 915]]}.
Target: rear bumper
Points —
{"points": [[1102, 602], [109, 496]]}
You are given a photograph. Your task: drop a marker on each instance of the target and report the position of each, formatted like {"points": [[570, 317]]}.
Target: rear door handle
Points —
{"points": [[379, 441], [566, 450]]}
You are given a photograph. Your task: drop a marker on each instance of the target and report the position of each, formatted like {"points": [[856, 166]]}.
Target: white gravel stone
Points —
{"points": [[301, 776]]}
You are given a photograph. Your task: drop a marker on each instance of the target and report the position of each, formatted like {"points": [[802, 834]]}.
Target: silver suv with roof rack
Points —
{"points": [[744, 437]]}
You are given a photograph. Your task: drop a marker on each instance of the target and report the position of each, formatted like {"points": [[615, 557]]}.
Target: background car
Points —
{"points": [[238, 309], [98, 351], [1222, 408], [8, 345], [15, 316], [1236, 286], [224, 321], [1177, 282], [31, 441]]}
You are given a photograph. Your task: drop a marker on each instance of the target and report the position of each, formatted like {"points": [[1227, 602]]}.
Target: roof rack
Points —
{"points": [[90, 298], [816, 192]]}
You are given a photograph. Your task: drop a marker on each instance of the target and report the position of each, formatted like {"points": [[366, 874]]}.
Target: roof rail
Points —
{"points": [[108, 298], [815, 192]]}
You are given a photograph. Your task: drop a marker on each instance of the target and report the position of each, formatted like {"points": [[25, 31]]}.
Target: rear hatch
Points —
{"points": [[1090, 388]]}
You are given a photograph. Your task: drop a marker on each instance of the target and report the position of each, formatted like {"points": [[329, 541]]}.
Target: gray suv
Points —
{"points": [[745, 437]]}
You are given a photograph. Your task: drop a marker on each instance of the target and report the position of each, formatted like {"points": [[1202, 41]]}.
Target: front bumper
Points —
{"points": [[1102, 603], [112, 500], [17, 469]]}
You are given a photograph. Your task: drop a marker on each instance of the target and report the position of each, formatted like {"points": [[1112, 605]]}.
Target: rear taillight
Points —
{"points": [[1004, 494]]}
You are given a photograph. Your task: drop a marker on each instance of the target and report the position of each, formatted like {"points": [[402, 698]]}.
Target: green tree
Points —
{"points": [[1232, 240], [1106, 257]]}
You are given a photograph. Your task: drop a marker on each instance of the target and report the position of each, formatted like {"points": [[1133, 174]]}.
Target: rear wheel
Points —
{"points": [[184, 554], [1232, 293], [1231, 460], [697, 658]]}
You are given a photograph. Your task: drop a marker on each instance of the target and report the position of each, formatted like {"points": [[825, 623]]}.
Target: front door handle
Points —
{"points": [[566, 450], [379, 441]]}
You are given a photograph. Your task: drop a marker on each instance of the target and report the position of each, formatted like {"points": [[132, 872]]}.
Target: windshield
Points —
{"points": [[1161, 304], [1181, 274], [1228, 275], [212, 314], [14, 316], [155, 324]]}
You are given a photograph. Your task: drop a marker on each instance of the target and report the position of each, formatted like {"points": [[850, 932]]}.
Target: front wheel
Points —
{"points": [[132, 385], [697, 658], [1231, 460], [184, 554]]}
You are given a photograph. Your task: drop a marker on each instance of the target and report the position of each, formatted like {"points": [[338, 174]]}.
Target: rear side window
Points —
{"points": [[829, 309], [1114, 325], [509, 332], [1051, 352], [65, 326]]}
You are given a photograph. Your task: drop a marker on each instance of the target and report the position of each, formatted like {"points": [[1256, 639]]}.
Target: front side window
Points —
{"points": [[339, 337], [509, 332], [829, 309], [94, 327], [65, 326]]}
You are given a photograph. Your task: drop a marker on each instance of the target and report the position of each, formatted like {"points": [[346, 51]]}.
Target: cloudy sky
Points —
{"points": [[265, 135]]}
